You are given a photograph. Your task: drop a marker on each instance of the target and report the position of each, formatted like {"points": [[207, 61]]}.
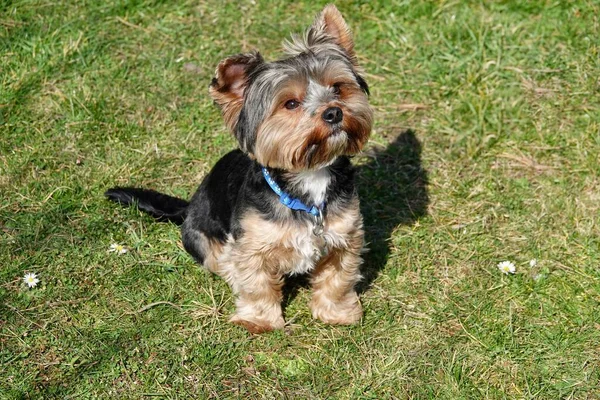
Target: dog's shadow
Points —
{"points": [[393, 191], [392, 186]]}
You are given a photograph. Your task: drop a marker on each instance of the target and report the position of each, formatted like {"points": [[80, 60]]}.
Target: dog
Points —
{"points": [[285, 202]]}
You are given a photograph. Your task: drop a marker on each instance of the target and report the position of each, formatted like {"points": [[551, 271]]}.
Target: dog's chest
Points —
{"points": [[308, 249], [313, 183]]}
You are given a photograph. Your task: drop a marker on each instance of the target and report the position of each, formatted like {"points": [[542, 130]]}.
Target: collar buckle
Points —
{"points": [[319, 223]]}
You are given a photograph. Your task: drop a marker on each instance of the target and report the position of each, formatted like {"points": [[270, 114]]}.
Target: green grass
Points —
{"points": [[486, 148]]}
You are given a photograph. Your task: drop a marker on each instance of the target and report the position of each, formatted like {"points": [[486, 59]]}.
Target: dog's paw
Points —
{"points": [[348, 311], [257, 326]]}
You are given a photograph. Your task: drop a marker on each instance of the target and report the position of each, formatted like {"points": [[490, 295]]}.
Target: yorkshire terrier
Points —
{"points": [[285, 202]]}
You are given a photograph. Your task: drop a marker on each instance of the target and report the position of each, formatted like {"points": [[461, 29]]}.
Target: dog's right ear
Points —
{"points": [[230, 81]]}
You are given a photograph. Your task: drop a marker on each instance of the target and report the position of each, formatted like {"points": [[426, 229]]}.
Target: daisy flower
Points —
{"points": [[117, 248], [533, 263], [31, 279], [507, 267]]}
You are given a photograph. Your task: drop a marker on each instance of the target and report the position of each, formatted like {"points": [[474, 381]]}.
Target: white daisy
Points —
{"points": [[117, 248], [507, 267], [31, 279], [533, 263]]}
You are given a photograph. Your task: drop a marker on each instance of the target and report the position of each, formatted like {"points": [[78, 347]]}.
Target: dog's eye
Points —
{"points": [[336, 88], [292, 104]]}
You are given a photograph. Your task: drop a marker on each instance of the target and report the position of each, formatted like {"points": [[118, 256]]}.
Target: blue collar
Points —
{"points": [[286, 200]]}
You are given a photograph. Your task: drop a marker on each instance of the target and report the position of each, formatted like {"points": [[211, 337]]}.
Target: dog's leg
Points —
{"points": [[334, 300], [204, 250], [258, 303], [257, 287]]}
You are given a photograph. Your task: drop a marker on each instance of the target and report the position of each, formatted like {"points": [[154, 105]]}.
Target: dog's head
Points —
{"points": [[303, 111]]}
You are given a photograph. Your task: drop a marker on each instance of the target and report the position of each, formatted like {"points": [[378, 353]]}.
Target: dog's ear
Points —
{"points": [[330, 24], [230, 82]]}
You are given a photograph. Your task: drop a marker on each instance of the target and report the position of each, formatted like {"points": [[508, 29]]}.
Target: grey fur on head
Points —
{"points": [[252, 94]]}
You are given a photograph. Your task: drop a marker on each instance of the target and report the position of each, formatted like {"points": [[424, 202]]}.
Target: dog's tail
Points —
{"points": [[161, 206]]}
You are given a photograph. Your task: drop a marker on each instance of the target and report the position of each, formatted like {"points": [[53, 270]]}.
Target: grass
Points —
{"points": [[485, 149]]}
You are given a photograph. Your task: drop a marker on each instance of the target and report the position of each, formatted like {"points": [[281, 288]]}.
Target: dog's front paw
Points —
{"points": [[257, 326], [346, 311]]}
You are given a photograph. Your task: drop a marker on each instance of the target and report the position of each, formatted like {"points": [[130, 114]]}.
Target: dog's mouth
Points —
{"points": [[337, 138], [334, 144], [336, 131]]}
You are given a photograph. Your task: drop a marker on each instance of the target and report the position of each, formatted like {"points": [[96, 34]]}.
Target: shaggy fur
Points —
{"points": [[301, 117]]}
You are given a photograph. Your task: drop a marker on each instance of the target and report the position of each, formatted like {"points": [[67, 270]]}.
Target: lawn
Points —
{"points": [[486, 148]]}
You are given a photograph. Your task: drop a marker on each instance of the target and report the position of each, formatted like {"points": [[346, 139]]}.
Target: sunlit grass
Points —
{"points": [[485, 150]]}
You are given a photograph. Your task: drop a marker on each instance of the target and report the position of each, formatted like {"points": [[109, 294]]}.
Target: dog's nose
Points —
{"points": [[332, 115]]}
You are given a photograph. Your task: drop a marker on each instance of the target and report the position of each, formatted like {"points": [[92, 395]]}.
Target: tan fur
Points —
{"points": [[297, 139], [334, 299], [213, 250], [227, 89], [332, 21], [254, 266], [285, 139]]}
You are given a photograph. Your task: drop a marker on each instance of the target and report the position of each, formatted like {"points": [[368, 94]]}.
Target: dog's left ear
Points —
{"points": [[230, 82], [331, 23]]}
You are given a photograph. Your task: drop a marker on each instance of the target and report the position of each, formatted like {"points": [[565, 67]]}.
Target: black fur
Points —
{"points": [[161, 206], [363, 84], [234, 186]]}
